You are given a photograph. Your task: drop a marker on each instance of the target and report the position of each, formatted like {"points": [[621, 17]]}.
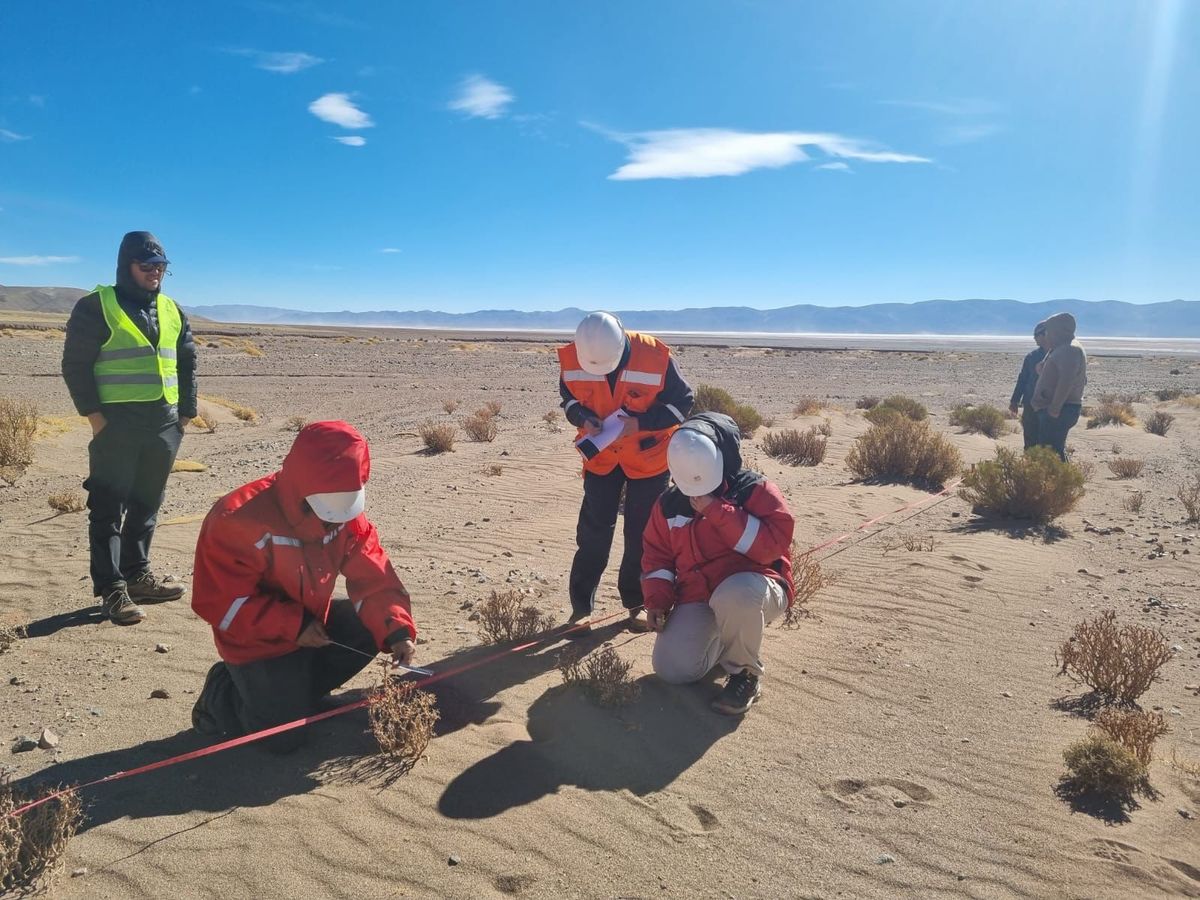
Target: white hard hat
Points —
{"points": [[338, 506], [695, 463], [599, 343]]}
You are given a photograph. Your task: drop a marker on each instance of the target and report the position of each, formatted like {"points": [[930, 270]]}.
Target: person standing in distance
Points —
{"points": [[1058, 396], [607, 370], [1022, 396], [129, 362]]}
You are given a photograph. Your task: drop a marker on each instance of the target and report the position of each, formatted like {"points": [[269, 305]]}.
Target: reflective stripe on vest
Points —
{"points": [[129, 369]]}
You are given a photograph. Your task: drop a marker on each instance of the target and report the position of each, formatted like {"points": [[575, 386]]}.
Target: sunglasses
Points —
{"points": [[152, 267]]}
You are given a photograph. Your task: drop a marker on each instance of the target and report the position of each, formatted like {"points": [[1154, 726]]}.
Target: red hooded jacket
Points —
{"points": [[747, 528], [265, 564]]}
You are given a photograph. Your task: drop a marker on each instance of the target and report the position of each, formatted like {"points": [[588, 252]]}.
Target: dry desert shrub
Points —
{"points": [[904, 450], [715, 399], [868, 402], [906, 406], [204, 420], [1188, 767], [188, 465], [809, 580], [1159, 423], [1133, 503], [1112, 411], [9, 635], [1133, 729], [1189, 496], [768, 421], [807, 406], [494, 470], [66, 502], [1099, 765], [603, 676], [480, 426], [32, 843], [796, 448], [402, 717], [1192, 400], [493, 407], [825, 428], [449, 406], [508, 616], [240, 412], [1118, 662], [1126, 466], [1166, 394], [983, 419], [437, 438], [911, 542], [295, 423], [18, 424], [1034, 485]]}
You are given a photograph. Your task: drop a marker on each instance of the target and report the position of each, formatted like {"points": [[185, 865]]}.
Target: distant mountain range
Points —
{"points": [[1110, 318], [1178, 318]]}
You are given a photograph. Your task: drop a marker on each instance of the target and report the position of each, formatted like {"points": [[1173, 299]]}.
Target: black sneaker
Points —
{"points": [[203, 721], [738, 695], [119, 608], [148, 587]]}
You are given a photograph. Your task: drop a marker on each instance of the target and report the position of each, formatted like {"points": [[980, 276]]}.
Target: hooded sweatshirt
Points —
{"points": [[1064, 370], [87, 332], [266, 565], [747, 528]]}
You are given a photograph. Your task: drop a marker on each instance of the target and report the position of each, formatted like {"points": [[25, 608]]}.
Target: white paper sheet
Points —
{"points": [[610, 430]]}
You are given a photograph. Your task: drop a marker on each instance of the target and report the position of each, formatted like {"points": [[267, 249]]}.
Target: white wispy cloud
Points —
{"points": [[835, 167], [37, 260], [707, 152], [972, 106], [340, 110], [967, 133], [969, 120], [11, 137], [351, 140], [390, 250], [282, 63], [482, 98]]}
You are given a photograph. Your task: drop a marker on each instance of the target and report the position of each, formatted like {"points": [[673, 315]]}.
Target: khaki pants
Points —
{"points": [[728, 629]]}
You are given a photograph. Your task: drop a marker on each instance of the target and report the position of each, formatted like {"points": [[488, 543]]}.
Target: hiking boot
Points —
{"points": [[637, 622], [117, 607], [578, 625], [738, 695], [203, 721], [149, 588]]}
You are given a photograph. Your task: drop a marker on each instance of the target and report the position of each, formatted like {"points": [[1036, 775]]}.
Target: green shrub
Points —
{"points": [[907, 406], [1034, 485], [715, 399], [904, 450], [1103, 766], [982, 419], [795, 447]]}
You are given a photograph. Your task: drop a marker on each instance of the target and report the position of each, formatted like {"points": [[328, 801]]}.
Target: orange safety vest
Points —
{"points": [[644, 453]]}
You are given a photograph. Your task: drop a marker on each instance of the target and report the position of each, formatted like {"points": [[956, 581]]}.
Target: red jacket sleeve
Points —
{"points": [[374, 587], [658, 563], [227, 587], [761, 530]]}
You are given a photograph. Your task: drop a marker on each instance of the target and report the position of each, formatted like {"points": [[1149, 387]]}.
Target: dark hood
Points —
{"points": [[739, 481], [135, 247], [325, 457]]}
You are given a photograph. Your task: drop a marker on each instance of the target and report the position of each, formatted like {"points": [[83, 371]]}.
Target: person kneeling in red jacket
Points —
{"points": [[716, 565], [268, 557]]}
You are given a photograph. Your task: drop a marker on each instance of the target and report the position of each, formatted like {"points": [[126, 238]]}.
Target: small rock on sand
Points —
{"points": [[162, 648], [47, 740], [160, 694]]}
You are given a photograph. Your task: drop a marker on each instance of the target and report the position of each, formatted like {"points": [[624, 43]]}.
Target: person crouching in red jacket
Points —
{"points": [[268, 557], [716, 564]]}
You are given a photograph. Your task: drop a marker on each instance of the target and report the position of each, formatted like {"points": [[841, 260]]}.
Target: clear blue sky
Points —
{"points": [[650, 154]]}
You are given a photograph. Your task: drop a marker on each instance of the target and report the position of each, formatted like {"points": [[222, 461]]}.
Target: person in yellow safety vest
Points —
{"points": [[630, 381], [129, 362]]}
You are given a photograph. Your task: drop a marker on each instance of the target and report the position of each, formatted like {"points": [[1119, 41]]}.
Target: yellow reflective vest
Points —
{"points": [[129, 368]]}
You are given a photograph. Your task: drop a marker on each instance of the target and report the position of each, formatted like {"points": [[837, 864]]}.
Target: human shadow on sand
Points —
{"points": [[338, 748], [642, 748]]}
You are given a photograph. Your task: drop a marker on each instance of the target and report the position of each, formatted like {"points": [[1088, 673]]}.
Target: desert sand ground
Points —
{"points": [[908, 744]]}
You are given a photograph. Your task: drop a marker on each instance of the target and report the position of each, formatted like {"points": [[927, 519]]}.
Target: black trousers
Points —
{"points": [[1053, 432], [594, 535], [257, 695], [127, 477], [1029, 426]]}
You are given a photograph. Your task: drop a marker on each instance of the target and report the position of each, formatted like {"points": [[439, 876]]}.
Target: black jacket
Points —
{"points": [[1027, 380], [675, 391], [87, 332]]}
